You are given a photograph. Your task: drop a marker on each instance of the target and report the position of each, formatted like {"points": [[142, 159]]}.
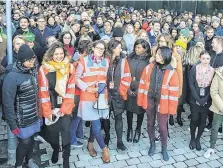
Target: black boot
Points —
{"points": [[137, 136], [106, 125], [107, 139], [129, 135], [179, 121], [152, 148], [55, 156], [121, 146], [66, 156], [192, 144], [171, 120], [165, 154], [198, 145]]}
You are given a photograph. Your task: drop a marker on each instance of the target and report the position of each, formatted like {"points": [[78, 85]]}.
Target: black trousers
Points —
{"points": [[24, 150], [198, 119], [52, 135]]}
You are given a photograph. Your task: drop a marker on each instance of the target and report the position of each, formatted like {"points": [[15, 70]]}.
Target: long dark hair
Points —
{"points": [[112, 44], [166, 54]]}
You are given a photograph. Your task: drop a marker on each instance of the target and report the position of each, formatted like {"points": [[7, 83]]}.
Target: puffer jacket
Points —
{"points": [[216, 92], [20, 97], [136, 65]]}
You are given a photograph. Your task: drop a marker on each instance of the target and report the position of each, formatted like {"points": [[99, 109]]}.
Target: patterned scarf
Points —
{"points": [[204, 78], [62, 74]]}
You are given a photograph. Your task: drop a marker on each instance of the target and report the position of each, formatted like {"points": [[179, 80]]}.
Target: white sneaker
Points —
{"points": [[208, 153], [39, 138], [219, 134]]}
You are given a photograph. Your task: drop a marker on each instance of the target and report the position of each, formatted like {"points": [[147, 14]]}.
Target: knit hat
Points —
{"points": [[25, 53], [30, 37], [118, 32], [185, 32], [200, 40], [181, 44]]}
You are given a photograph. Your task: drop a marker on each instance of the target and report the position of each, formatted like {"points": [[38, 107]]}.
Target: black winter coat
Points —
{"points": [[20, 97], [116, 101], [195, 89], [136, 65]]}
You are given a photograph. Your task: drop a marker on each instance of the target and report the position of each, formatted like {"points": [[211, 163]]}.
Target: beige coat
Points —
{"points": [[217, 92]]}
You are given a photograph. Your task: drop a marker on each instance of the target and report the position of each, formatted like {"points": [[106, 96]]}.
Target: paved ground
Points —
{"points": [[136, 156]]}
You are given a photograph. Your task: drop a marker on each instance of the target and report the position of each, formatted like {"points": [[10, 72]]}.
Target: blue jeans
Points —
{"points": [[76, 129], [95, 133]]}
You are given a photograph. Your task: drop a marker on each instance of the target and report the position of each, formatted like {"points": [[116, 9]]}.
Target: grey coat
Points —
{"points": [[137, 65]]}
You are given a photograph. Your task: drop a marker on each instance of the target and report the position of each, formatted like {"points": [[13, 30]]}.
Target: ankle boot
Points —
{"points": [[105, 155], [165, 154], [121, 146], [152, 148], [55, 156], [198, 145], [129, 135], [137, 136], [192, 144], [179, 121], [66, 156], [91, 149], [171, 120]]}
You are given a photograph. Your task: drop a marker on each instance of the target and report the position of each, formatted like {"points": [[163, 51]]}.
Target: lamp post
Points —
{"points": [[12, 140]]}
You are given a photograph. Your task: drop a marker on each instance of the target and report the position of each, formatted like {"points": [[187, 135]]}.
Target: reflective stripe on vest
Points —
{"points": [[165, 97], [45, 100], [43, 75], [44, 88], [71, 86], [69, 96]]}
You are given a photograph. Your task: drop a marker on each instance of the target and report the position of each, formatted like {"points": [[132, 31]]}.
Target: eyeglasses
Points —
{"points": [[101, 49]]}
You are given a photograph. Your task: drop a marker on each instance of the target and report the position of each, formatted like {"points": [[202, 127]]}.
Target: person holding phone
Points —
{"points": [[56, 91]]}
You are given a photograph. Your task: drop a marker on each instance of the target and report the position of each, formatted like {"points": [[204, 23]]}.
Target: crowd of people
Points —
{"points": [[69, 61]]}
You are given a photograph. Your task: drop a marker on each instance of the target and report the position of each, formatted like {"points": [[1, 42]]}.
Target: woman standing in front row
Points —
{"points": [[90, 74], [138, 60], [158, 94], [118, 82], [56, 91], [200, 79]]}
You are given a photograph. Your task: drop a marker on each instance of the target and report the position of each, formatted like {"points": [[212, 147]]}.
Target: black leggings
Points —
{"points": [[139, 120], [118, 127], [198, 119], [24, 150]]}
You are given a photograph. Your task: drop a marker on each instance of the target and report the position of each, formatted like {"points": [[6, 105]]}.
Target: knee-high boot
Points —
{"points": [[107, 131], [66, 156]]}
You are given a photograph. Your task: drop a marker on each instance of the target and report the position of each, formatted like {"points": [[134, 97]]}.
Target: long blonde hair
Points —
{"points": [[192, 56]]}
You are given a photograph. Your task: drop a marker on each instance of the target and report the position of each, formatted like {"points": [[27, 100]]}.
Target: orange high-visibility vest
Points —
{"points": [[67, 102], [125, 78], [169, 92], [92, 76]]}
